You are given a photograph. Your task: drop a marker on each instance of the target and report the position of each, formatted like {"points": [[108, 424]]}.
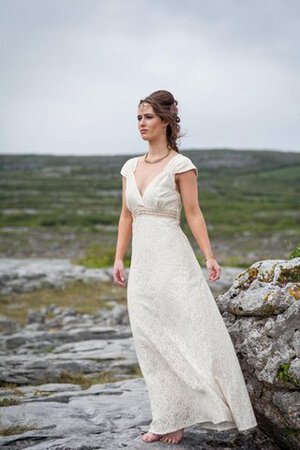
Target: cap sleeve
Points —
{"points": [[125, 168], [185, 164]]}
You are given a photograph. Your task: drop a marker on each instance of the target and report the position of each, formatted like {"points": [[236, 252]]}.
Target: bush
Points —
{"points": [[295, 253]]}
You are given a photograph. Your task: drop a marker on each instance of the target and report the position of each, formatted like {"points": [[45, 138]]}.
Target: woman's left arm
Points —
{"points": [[188, 187]]}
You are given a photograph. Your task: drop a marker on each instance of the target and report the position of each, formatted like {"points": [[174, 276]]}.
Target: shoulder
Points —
{"points": [[183, 163], [127, 166]]}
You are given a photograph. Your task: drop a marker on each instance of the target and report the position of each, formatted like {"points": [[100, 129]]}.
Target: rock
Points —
{"points": [[107, 416], [28, 274], [261, 290], [61, 350], [35, 317], [40, 356], [25, 275], [35, 327], [261, 310], [295, 369], [118, 315], [8, 325]]}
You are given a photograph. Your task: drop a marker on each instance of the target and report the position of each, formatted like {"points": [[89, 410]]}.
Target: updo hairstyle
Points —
{"points": [[165, 106]]}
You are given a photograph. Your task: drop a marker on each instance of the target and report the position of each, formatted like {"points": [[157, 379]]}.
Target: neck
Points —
{"points": [[158, 148]]}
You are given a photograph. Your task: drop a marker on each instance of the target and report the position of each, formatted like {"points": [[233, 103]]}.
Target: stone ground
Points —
{"points": [[71, 380], [108, 416]]}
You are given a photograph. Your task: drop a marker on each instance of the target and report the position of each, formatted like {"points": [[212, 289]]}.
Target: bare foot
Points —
{"points": [[151, 437], [172, 438]]}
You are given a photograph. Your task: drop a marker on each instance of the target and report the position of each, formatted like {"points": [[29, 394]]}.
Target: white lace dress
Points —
{"points": [[185, 352]]}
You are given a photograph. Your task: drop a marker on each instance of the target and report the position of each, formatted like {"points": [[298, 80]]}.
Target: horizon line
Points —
{"points": [[134, 153]]}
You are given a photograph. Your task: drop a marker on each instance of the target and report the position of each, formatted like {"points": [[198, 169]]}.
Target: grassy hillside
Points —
{"points": [[69, 206]]}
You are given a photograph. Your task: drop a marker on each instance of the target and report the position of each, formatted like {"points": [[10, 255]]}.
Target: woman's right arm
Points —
{"points": [[123, 240]]}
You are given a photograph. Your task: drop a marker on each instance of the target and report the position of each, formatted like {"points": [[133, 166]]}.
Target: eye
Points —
{"points": [[147, 116]]}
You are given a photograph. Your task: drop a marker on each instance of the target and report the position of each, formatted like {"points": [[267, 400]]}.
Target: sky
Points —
{"points": [[73, 72]]}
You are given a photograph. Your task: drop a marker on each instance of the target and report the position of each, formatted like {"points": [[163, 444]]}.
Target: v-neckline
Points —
{"points": [[142, 196]]}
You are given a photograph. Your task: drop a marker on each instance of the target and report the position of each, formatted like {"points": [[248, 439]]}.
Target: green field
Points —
{"points": [[69, 206]]}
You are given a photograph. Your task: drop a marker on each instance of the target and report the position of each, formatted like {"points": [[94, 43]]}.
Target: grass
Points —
{"points": [[83, 297], [85, 196], [86, 381], [11, 387], [295, 253], [97, 256], [16, 429], [9, 402], [253, 192], [83, 380], [235, 261]]}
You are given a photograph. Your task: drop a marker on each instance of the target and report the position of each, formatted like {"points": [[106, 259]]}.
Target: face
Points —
{"points": [[150, 125]]}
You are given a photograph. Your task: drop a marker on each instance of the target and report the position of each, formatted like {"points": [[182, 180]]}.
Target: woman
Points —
{"points": [[184, 350]]}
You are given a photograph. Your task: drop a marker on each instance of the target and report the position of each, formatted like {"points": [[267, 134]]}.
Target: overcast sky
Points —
{"points": [[73, 71]]}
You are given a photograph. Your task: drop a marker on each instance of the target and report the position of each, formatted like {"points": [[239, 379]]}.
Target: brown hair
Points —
{"points": [[165, 106]]}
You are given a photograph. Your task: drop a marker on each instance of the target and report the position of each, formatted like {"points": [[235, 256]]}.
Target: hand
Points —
{"points": [[214, 269], [118, 273]]}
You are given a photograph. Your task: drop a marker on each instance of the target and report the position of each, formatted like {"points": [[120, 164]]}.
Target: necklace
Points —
{"points": [[157, 160]]}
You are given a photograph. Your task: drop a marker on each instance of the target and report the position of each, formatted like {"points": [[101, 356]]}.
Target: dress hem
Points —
{"points": [[196, 422]]}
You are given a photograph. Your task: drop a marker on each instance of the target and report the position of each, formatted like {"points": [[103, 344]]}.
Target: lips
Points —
{"points": [[143, 131]]}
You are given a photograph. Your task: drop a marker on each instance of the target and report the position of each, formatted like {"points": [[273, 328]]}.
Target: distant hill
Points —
{"points": [[209, 158], [250, 200]]}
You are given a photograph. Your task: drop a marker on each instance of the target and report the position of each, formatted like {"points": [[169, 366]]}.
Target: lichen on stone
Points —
{"points": [[251, 273], [289, 275], [295, 292], [267, 276], [266, 296]]}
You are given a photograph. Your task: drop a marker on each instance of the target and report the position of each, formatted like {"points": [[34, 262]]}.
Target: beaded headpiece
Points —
{"points": [[173, 108]]}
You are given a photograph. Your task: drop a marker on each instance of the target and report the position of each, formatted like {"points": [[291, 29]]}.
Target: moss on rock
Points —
{"points": [[284, 375]]}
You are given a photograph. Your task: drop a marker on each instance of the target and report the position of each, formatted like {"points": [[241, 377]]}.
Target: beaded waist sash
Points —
{"points": [[156, 212]]}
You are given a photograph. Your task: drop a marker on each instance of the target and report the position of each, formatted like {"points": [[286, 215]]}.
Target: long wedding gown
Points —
{"points": [[184, 350]]}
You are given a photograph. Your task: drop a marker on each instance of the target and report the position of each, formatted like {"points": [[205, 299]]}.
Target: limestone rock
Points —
{"points": [[25, 275], [59, 352], [105, 416], [262, 312]]}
